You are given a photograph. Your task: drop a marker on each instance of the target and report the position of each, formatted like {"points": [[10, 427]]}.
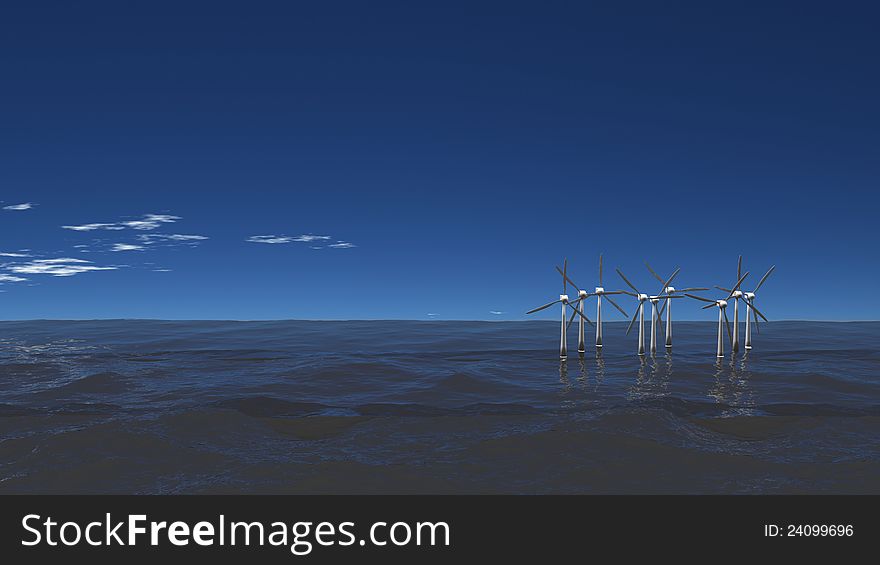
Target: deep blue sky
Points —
{"points": [[462, 148]]}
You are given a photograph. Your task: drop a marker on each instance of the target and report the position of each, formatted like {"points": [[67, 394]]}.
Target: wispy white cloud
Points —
{"points": [[60, 267], [93, 227], [18, 207], [304, 238], [161, 270], [10, 278], [126, 247], [145, 223], [269, 239], [495, 312], [308, 238], [151, 221], [149, 238], [14, 255]]}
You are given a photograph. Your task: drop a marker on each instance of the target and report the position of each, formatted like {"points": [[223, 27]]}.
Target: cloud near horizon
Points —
{"points": [[150, 238], [126, 247], [276, 239], [304, 238], [60, 267], [19, 207], [146, 223]]}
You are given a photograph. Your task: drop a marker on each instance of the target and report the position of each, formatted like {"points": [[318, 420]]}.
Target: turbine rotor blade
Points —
{"points": [[633, 321], [656, 276], [571, 282], [724, 289], [691, 289], [727, 325], [539, 308], [755, 316], [752, 304], [564, 276], [626, 280], [628, 293], [663, 308], [736, 286], [578, 312], [619, 309], [571, 319], [707, 306], [764, 278], [669, 280], [739, 266], [699, 298]]}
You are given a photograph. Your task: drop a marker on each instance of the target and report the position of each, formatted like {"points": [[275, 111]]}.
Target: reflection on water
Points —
{"points": [[652, 379], [563, 376], [600, 367], [732, 386], [582, 372]]}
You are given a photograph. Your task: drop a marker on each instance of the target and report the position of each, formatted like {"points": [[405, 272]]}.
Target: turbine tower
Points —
{"points": [[737, 295], [722, 314], [599, 293], [563, 299], [749, 298], [667, 306]]}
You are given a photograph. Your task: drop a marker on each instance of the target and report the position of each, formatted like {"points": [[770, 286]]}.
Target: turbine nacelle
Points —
{"points": [[749, 295], [721, 303], [583, 294], [643, 297], [654, 299], [600, 291], [737, 294], [669, 290], [563, 298]]}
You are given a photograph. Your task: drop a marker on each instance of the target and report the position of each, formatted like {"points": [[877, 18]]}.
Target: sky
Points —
{"points": [[407, 160]]}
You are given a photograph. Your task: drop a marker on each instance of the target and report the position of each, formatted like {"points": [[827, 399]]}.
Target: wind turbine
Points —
{"points": [[582, 296], [599, 293], [670, 291], [737, 295], [750, 307], [749, 298], [563, 299], [655, 315], [722, 314]]}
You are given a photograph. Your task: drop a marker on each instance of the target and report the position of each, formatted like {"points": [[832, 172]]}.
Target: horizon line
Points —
{"points": [[371, 320]]}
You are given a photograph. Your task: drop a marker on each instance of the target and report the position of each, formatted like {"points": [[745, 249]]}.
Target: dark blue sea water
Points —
{"points": [[432, 407]]}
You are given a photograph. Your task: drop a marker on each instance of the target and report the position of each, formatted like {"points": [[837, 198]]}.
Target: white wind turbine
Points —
{"points": [[722, 314], [598, 293], [669, 290], [748, 298], [563, 299], [655, 314], [582, 318]]}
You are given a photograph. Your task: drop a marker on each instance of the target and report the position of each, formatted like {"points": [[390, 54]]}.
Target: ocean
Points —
{"points": [[168, 407]]}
